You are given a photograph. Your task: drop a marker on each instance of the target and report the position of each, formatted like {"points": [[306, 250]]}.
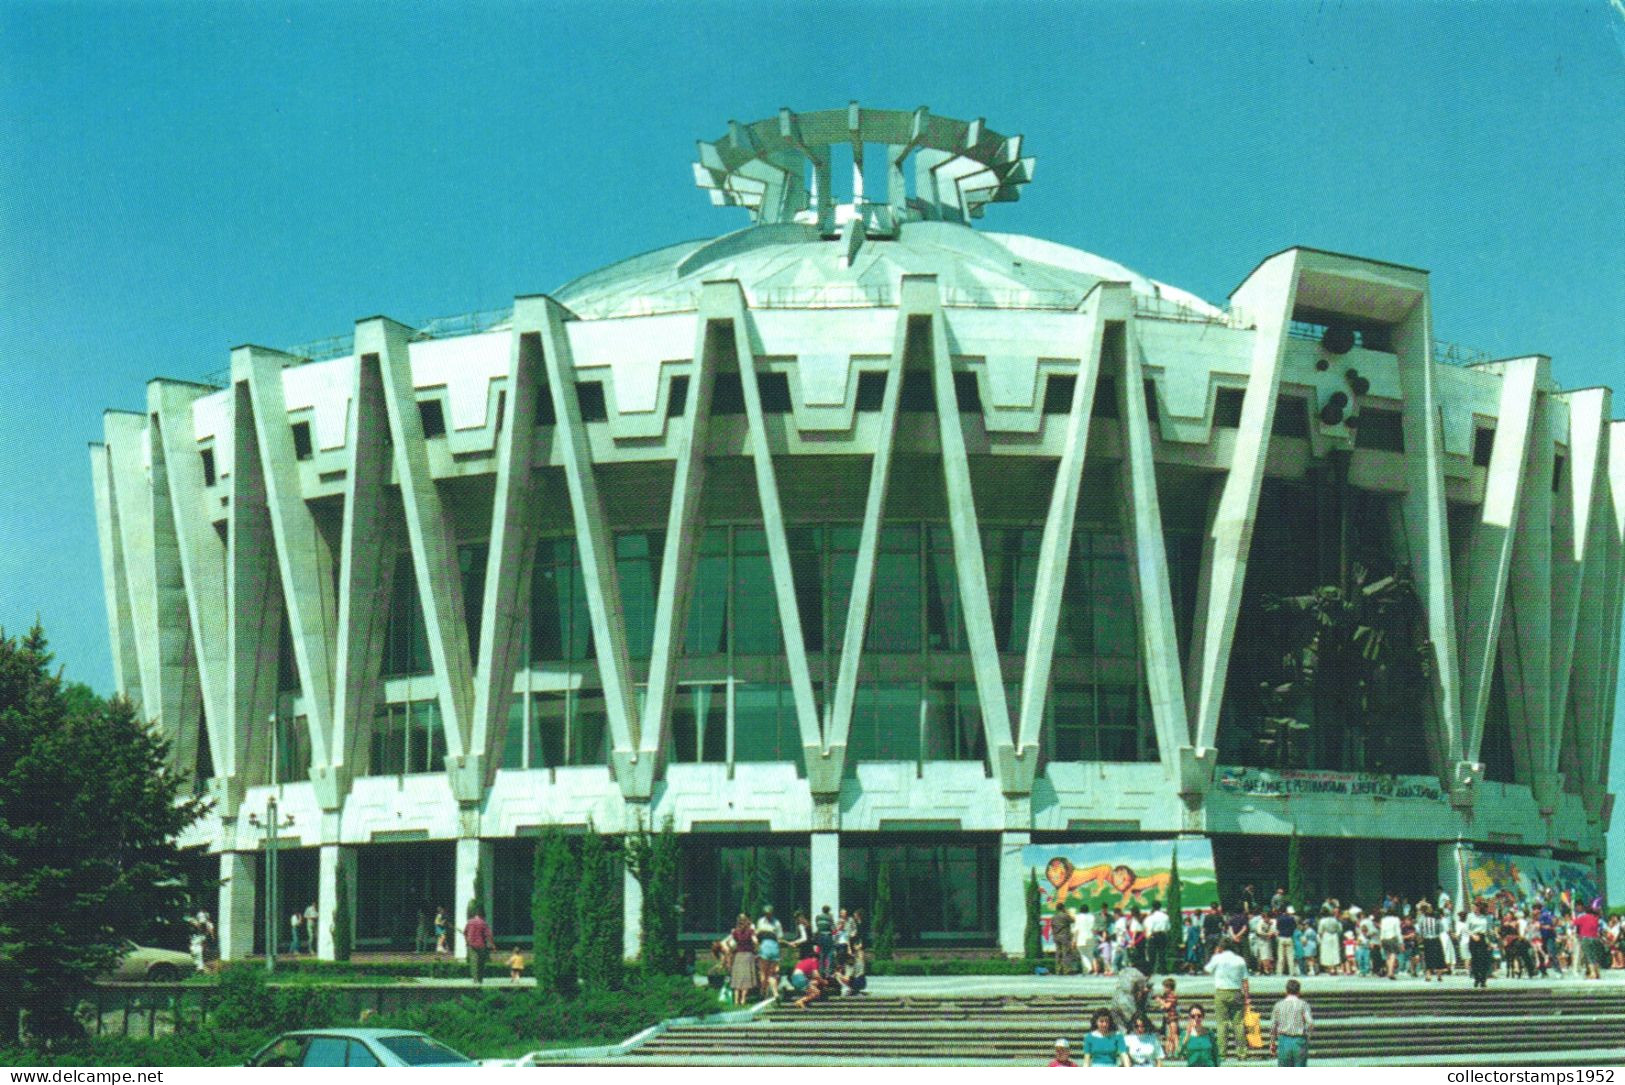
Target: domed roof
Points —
{"points": [[795, 265]]}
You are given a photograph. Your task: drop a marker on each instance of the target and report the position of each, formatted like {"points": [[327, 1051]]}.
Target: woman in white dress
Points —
{"points": [[1331, 942]]}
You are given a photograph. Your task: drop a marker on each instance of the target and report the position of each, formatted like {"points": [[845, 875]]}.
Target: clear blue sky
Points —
{"points": [[179, 178]]}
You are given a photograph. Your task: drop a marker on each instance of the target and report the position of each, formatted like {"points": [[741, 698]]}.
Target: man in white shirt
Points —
{"points": [[1156, 936], [1083, 937], [1230, 991]]}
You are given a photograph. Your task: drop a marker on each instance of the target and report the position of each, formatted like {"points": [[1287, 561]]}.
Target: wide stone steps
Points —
{"points": [[1497, 1027]]}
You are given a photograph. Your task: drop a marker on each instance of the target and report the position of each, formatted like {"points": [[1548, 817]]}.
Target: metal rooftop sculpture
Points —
{"points": [[780, 168]]}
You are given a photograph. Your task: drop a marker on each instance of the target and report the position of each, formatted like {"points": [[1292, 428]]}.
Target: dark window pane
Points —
{"points": [[301, 441], [1557, 474], [885, 722], [1152, 411], [765, 724], [1227, 407], [727, 394], [1105, 405], [677, 399], [807, 570], [433, 417], [637, 561], [1380, 429], [918, 394], [590, 394], [756, 610], [894, 616], [968, 394], [945, 621], [1483, 445], [513, 738], [707, 632], [207, 456], [1291, 416], [547, 712], [471, 559], [544, 406], [775, 392], [589, 728], [871, 391], [406, 637], [1058, 391]]}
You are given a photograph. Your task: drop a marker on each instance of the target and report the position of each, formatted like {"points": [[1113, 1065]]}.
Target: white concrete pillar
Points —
{"points": [[631, 914], [234, 923], [473, 855], [826, 873], [1012, 893], [334, 861]]}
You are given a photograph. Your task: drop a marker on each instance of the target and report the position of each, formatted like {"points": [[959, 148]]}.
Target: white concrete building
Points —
{"points": [[861, 536]]}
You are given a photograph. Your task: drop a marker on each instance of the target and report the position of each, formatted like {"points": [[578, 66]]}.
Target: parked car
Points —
{"points": [[151, 964], [357, 1047]]}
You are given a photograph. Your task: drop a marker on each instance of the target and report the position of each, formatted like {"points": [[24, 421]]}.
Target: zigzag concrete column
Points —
{"points": [[1571, 530], [596, 547], [1148, 564], [1015, 775], [505, 608], [824, 771], [203, 564], [366, 575], [115, 583], [1526, 647], [683, 530], [1481, 586], [434, 551], [1427, 522], [301, 556], [825, 861], [169, 686], [476, 864], [1269, 296], [254, 596], [1055, 548], [234, 921], [333, 862], [767, 490], [1587, 693]]}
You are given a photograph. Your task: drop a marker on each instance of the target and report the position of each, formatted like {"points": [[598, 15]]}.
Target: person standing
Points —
{"points": [[477, 937], [1156, 934], [1083, 941], [442, 931], [743, 971], [311, 915], [1230, 992], [1390, 935], [1331, 941], [824, 938], [769, 933], [1286, 929], [1291, 1025], [1587, 928], [296, 924], [1060, 932], [1212, 931], [1431, 934]]}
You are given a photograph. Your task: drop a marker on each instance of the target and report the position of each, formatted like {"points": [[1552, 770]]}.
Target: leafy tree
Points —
{"points": [[599, 953], [89, 812], [554, 909], [1174, 903], [653, 859], [343, 924], [1033, 943], [884, 921]]}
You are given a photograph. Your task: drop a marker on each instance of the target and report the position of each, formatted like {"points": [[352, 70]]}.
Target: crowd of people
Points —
{"points": [[804, 961], [1431, 939]]}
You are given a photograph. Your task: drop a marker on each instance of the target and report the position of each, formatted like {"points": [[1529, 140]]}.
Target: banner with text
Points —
{"points": [[1276, 783]]}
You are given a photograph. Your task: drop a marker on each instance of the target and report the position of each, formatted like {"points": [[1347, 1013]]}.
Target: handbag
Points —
{"points": [[1253, 1026]]}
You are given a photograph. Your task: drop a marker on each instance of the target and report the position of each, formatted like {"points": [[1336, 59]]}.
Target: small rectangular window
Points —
{"points": [[1058, 392], [1291, 417], [1379, 429], [1483, 445], [502, 410], [1557, 474], [433, 417], [1227, 408], [207, 456], [1105, 405], [544, 406], [727, 395], [774, 388], [302, 449], [677, 398], [968, 394], [918, 395], [871, 391], [1152, 411], [590, 394]]}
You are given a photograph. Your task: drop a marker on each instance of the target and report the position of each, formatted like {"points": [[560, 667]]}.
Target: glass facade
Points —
{"points": [[941, 892], [721, 876], [557, 728], [395, 883], [408, 738], [406, 636]]}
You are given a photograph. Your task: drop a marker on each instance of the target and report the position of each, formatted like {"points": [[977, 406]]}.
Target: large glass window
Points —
{"points": [[724, 877], [1012, 573], [941, 893], [408, 738], [1099, 723], [565, 727], [637, 562], [885, 722], [945, 621], [756, 609], [894, 616], [560, 626], [807, 569], [707, 633], [1097, 609], [395, 884], [471, 559], [406, 636], [699, 723], [953, 723], [765, 726]]}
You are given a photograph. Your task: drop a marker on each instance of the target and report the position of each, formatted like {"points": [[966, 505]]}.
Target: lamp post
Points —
{"points": [[272, 824]]}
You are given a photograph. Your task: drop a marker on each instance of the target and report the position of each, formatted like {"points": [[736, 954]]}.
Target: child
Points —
{"points": [[516, 966], [1108, 953], [1169, 1001]]}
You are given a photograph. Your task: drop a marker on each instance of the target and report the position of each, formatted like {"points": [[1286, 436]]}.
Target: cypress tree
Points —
{"points": [[598, 928], [554, 907], [885, 927], [749, 901], [343, 932], [1176, 924], [653, 860], [1033, 943], [1297, 891]]}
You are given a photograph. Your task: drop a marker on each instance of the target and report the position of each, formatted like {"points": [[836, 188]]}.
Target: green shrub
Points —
{"points": [[885, 926], [599, 952], [343, 921], [554, 908]]}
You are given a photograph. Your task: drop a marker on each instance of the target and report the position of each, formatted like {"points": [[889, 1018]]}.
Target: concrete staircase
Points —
{"points": [[1508, 1025]]}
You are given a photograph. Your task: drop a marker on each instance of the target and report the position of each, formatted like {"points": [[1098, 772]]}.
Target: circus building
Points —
{"points": [[864, 537]]}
